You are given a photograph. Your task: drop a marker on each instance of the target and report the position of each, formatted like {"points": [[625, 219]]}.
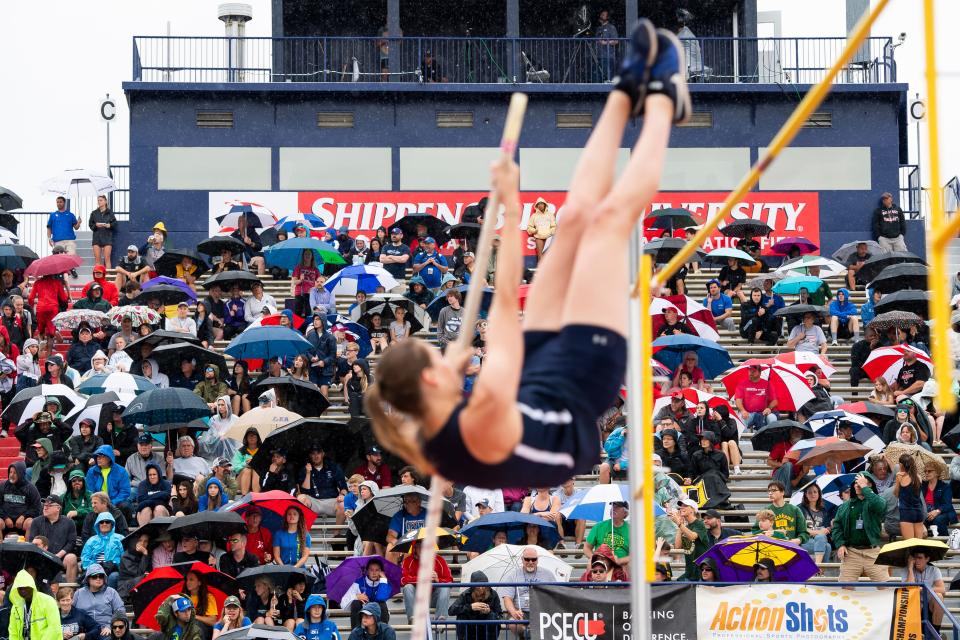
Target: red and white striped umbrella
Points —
{"points": [[698, 318], [805, 360], [887, 361], [787, 383]]}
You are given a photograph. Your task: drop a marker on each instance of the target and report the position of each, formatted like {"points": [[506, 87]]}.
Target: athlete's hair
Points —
{"points": [[395, 402]]}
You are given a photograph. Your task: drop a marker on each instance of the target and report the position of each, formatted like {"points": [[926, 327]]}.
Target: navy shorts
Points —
{"points": [[914, 516]]}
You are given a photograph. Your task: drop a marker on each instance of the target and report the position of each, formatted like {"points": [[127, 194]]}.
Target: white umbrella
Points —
{"points": [[8, 237], [802, 265], [501, 562], [79, 183]]}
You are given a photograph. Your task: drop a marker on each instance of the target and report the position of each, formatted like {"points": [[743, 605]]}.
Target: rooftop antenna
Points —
{"points": [[235, 16]]}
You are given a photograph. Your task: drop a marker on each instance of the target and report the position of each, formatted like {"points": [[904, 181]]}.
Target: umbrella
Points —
{"points": [[8, 221], [70, 320], [138, 314], [888, 361], [804, 264], [53, 265], [906, 275], [827, 451], [226, 280], [805, 361], [373, 518], [169, 356], [153, 529], [160, 584], [274, 320], [469, 231], [15, 556], [264, 420], [845, 251], [351, 569], [799, 310], [172, 406], [757, 281], [897, 554], [831, 485], [663, 249], [29, 401], [745, 229], [174, 282], [296, 438], [446, 539], [435, 227], [9, 200], [74, 184], [287, 254], [876, 412], [694, 396], [166, 265], [900, 319], [273, 506], [281, 576], [255, 215], [360, 277], [787, 383], [825, 423], [917, 302], [670, 219], [353, 332], [301, 393], [159, 338], [165, 293], [117, 382], [8, 237], [16, 256], [770, 435], [503, 561], [721, 255], [952, 438], [208, 525], [259, 632], [878, 262], [99, 408], [214, 245], [791, 285], [697, 317], [923, 457], [309, 220], [735, 557], [787, 245], [712, 358], [386, 306], [437, 304], [480, 532], [264, 343]]}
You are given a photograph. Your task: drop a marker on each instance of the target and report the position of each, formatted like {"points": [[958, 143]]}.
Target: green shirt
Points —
{"points": [[618, 538], [788, 519], [857, 537], [695, 548]]}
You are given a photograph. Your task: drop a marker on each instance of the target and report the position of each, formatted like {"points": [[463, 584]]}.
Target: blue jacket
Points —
{"points": [[118, 482], [842, 311], [110, 545], [943, 500], [323, 630], [614, 444], [867, 311], [152, 495], [203, 500]]}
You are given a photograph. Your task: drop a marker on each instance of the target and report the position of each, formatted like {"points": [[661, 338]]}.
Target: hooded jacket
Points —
{"points": [[28, 433], [26, 364], [120, 616], [888, 222], [167, 620], [136, 466], [677, 462], [873, 510], [80, 504], [204, 500], [713, 565], [210, 391], [122, 439], [462, 609], [118, 480], [110, 544], [614, 446], [44, 614], [102, 605], [424, 297], [19, 498], [152, 495], [846, 309], [39, 475], [323, 630], [383, 630], [82, 450], [80, 354], [541, 224], [96, 304]]}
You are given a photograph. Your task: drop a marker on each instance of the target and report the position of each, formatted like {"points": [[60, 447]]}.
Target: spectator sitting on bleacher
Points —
{"points": [[676, 410], [153, 495], [375, 468], [370, 588], [855, 263], [731, 278], [821, 397], [477, 603], [42, 426], [715, 529], [321, 301], [709, 460], [417, 292], [19, 500], [40, 471], [617, 461], [100, 503], [808, 336], [151, 371], [785, 472], [439, 597], [258, 304], [74, 623], [819, 517], [178, 621], [410, 518], [234, 321], [671, 455], [81, 447], [182, 323], [83, 350], [102, 550], [278, 476], [321, 484], [756, 320], [315, 624], [480, 501], [755, 400], [109, 292], [672, 326], [55, 372], [98, 365], [614, 533], [188, 378], [132, 269], [694, 426], [109, 477], [787, 517], [844, 322], [185, 463], [720, 305], [210, 388], [868, 309]]}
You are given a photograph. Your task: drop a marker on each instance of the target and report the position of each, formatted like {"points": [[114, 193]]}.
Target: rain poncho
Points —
{"points": [[44, 614], [212, 442], [109, 545]]}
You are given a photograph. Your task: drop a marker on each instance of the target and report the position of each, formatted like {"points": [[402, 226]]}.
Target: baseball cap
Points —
{"points": [[183, 303], [182, 604], [373, 449], [144, 438], [253, 509], [232, 601], [53, 499], [133, 248], [86, 329], [396, 230], [690, 503], [711, 513], [429, 240], [222, 462], [43, 416], [619, 503], [483, 503], [344, 229]]}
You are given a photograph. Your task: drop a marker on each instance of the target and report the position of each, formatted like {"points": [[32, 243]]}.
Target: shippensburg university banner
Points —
{"points": [[688, 611], [788, 213]]}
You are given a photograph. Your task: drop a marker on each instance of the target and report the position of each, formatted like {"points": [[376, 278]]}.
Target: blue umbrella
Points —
{"points": [[288, 223], [713, 359], [355, 330], [263, 343], [438, 303], [793, 284], [825, 423], [360, 277], [594, 503], [287, 254], [180, 284], [158, 408], [480, 532]]}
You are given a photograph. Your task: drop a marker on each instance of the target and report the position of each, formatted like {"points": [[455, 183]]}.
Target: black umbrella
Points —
{"points": [[469, 231], [226, 279], [746, 229], [799, 310], [169, 356], [952, 438], [282, 576], [768, 436], [165, 409], [258, 632], [32, 399], [10, 200], [208, 525], [153, 529], [300, 396], [385, 305], [8, 221], [213, 246], [15, 556], [165, 293], [435, 227], [16, 256], [99, 407], [297, 437], [913, 301], [373, 519], [671, 219], [899, 319], [872, 267], [157, 338], [663, 249], [905, 275], [166, 265]]}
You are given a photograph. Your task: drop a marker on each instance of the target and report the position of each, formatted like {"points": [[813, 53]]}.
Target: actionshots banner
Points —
{"points": [[743, 612], [788, 213]]}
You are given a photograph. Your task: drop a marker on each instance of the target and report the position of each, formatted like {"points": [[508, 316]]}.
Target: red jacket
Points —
{"points": [[48, 292], [411, 566], [382, 476], [110, 293]]}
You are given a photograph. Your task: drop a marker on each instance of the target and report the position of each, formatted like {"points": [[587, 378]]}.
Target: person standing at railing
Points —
{"points": [[889, 227], [61, 229], [607, 43], [102, 223]]}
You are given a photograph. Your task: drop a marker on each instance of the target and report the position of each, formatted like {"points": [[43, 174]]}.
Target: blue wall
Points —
{"points": [[279, 115]]}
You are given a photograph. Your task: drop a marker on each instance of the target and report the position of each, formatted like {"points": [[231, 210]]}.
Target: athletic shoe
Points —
{"points": [[635, 69], [667, 75]]}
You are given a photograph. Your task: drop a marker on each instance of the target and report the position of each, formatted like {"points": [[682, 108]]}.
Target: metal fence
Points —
{"points": [[951, 195], [911, 193], [490, 60]]}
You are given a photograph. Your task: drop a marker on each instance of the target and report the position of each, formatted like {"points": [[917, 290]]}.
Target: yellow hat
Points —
{"points": [[160, 226]]}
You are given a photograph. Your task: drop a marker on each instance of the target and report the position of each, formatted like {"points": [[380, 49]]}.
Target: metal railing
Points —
{"points": [[489, 60], [911, 194], [951, 195]]}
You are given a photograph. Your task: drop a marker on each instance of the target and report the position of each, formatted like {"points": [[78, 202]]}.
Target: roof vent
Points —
{"points": [[335, 119], [215, 119], [454, 119], [699, 119], [571, 120]]}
